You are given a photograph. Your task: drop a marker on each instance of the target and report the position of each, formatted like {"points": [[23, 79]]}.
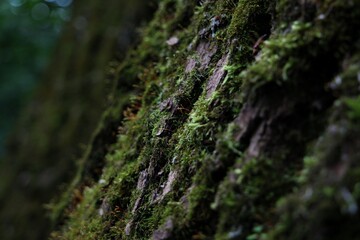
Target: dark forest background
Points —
{"points": [[28, 33]]}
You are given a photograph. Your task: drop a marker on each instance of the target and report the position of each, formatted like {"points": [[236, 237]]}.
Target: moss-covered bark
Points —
{"points": [[215, 143], [243, 124]]}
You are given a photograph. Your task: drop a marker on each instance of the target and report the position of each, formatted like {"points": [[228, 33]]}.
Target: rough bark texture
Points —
{"points": [[243, 124]]}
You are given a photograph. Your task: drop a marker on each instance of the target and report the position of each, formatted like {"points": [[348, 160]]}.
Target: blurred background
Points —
{"points": [[28, 33], [57, 64]]}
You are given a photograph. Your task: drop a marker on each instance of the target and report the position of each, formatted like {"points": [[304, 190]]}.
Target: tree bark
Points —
{"points": [[232, 119]]}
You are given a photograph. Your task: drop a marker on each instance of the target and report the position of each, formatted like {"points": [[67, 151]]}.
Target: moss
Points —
{"points": [[249, 17], [250, 191], [198, 120], [328, 193], [354, 107], [186, 162]]}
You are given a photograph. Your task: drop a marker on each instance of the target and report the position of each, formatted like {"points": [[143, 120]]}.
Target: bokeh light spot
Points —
{"points": [[16, 3], [63, 14], [63, 3], [40, 11]]}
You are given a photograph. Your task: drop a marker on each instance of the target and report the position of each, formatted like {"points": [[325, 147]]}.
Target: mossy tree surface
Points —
{"points": [[243, 124], [245, 127]]}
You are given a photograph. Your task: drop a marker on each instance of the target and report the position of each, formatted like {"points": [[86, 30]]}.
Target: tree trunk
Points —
{"points": [[61, 119], [229, 120]]}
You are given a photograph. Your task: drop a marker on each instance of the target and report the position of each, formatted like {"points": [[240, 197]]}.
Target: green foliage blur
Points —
{"points": [[28, 33]]}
